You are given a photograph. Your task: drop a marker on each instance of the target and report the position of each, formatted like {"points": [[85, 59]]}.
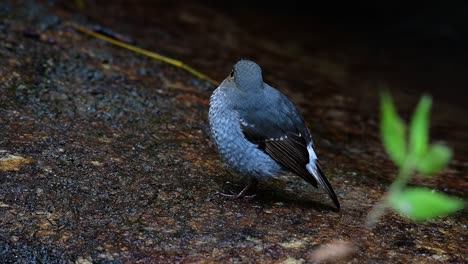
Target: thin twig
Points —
{"points": [[147, 53]]}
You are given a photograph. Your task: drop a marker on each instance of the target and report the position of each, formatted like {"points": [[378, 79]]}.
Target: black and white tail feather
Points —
{"points": [[314, 168]]}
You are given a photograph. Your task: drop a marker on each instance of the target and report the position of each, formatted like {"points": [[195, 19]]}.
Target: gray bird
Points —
{"points": [[260, 133]]}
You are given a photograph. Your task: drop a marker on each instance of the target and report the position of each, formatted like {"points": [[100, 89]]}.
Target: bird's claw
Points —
{"points": [[240, 195]]}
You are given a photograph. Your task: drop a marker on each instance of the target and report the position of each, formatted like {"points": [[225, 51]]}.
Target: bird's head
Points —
{"points": [[247, 75]]}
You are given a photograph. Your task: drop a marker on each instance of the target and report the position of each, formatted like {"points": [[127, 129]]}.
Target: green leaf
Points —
{"points": [[419, 128], [421, 204], [392, 130], [434, 160]]}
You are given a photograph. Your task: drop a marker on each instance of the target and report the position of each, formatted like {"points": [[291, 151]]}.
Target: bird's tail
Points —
{"points": [[314, 168]]}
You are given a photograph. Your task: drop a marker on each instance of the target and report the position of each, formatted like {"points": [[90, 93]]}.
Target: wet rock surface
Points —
{"points": [[106, 158]]}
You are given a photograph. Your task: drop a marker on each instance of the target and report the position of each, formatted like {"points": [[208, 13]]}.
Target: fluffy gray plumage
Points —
{"points": [[259, 132]]}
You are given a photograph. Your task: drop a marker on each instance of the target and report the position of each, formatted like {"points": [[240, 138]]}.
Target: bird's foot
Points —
{"points": [[243, 194], [237, 196]]}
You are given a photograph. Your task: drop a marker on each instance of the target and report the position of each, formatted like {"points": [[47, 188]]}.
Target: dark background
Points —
{"points": [[421, 46], [428, 39]]}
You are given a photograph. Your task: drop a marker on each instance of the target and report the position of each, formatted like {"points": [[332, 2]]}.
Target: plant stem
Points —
{"points": [[404, 175]]}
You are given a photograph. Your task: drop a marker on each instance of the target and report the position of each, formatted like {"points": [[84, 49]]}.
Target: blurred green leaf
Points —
{"points": [[421, 204], [419, 128], [392, 130], [434, 160]]}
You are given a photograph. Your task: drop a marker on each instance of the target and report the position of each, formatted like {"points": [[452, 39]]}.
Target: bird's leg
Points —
{"points": [[252, 185], [243, 194]]}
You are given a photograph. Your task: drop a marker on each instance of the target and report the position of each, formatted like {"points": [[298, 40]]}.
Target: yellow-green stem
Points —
{"points": [[147, 53], [404, 175]]}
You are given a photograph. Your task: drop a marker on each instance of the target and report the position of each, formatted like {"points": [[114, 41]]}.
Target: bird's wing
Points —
{"points": [[286, 145], [280, 132]]}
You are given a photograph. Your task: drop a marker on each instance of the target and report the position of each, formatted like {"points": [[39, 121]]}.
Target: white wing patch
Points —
{"points": [[242, 121], [277, 139]]}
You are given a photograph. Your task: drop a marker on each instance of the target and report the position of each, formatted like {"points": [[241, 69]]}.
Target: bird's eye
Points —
{"points": [[232, 73]]}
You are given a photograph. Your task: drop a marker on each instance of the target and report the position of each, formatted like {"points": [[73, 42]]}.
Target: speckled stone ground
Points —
{"points": [[106, 158]]}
